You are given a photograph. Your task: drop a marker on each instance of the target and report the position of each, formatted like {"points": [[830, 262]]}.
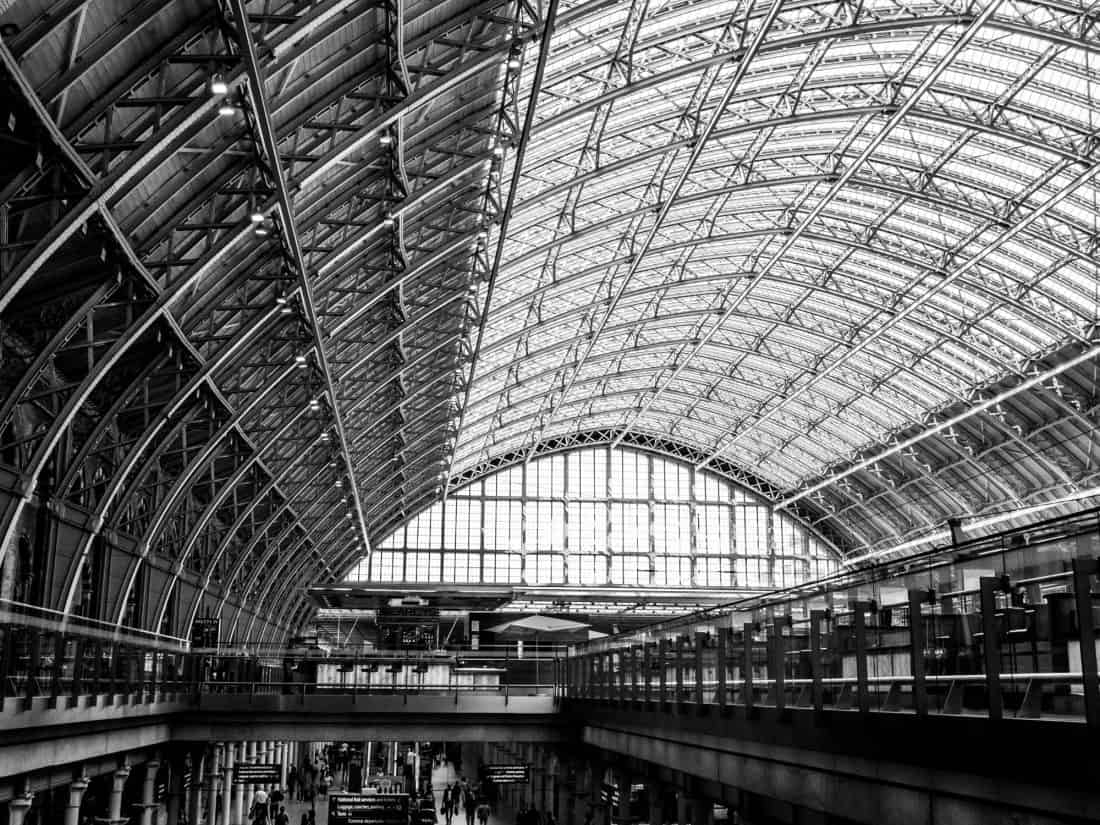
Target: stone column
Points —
{"points": [[212, 783], [76, 796], [269, 759], [240, 813], [175, 788], [194, 791], [656, 804], [683, 808], [227, 786], [148, 792], [17, 809], [249, 790], [280, 758], [702, 812], [623, 784], [114, 802]]}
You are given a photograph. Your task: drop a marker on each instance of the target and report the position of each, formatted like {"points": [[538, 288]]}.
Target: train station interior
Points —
{"points": [[549, 412]]}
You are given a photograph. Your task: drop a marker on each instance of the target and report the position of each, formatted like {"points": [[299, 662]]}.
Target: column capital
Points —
{"points": [[76, 791], [18, 807]]}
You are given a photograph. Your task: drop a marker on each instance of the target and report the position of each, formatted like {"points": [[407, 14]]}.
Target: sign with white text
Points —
{"points": [[508, 774], [368, 809], [247, 773]]}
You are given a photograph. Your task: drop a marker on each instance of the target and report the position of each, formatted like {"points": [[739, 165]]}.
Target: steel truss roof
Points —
{"points": [[843, 252], [799, 237]]}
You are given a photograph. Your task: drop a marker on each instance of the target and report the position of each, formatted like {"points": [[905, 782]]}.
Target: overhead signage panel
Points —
{"points": [[247, 773], [508, 774], [368, 809]]}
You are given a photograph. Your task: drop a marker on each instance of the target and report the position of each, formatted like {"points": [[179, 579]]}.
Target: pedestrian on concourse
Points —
{"points": [[483, 812], [468, 804]]}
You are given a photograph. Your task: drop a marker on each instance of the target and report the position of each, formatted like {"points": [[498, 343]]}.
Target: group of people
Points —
{"points": [[313, 781], [462, 795], [529, 815], [268, 809]]}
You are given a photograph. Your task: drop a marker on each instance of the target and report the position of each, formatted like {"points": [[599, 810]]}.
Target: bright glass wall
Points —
{"points": [[602, 516]]}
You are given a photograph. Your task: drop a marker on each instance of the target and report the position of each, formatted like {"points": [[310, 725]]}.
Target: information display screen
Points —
{"points": [[368, 809], [508, 774], [247, 773], [204, 632]]}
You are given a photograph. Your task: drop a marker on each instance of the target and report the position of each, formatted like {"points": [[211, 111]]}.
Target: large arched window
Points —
{"points": [[602, 516]]}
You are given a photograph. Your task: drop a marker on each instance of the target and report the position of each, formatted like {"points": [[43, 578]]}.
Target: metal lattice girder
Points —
{"points": [[844, 253], [130, 169]]}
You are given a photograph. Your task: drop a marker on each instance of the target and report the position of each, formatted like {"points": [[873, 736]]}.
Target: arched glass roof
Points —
{"points": [[277, 277], [791, 233]]}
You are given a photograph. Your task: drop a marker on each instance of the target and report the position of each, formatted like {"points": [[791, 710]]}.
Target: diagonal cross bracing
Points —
{"points": [[261, 110]]}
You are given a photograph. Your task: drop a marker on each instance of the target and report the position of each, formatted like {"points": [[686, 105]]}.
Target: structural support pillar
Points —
{"points": [[991, 645], [194, 797], [76, 796], [212, 784], [114, 802], [1083, 571], [656, 801], [148, 792], [18, 808], [175, 789], [702, 812], [227, 786], [240, 814], [249, 790]]}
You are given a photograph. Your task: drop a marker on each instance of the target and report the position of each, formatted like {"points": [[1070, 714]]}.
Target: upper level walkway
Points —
{"points": [[1002, 629], [971, 676]]}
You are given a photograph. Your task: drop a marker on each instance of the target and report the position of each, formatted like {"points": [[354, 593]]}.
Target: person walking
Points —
{"points": [[281, 818], [468, 804], [292, 783], [483, 812], [449, 800]]}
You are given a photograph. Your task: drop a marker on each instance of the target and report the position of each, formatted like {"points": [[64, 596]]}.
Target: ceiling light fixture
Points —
{"points": [[227, 109], [217, 85]]}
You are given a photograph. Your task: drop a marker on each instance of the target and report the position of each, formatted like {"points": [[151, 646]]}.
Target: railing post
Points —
{"points": [[647, 671], [32, 668], [863, 694], [720, 666], [58, 666], [746, 667], [917, 644], [662, 675], [777, 665], [6, 656], [622, 677], [1083, 571], [634, 674], [991, 645], [680, 643], [700, 641]]}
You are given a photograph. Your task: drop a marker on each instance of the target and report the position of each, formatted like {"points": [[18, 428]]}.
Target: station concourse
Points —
{"points": [[549, 412]]}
